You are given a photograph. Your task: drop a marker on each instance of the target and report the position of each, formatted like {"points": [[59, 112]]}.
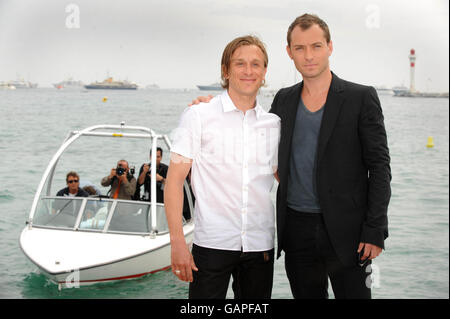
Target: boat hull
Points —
{"points": [[72, 267], [130, 268], [209, 88]]}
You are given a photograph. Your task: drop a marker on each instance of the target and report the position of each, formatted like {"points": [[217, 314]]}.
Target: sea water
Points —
{"points": [[35, 122]]}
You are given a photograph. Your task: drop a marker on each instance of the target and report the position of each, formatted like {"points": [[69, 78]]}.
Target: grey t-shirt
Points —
{"points": [[302, 195]]}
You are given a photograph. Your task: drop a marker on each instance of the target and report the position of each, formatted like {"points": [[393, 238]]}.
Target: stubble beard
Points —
{"points": [[316, 74]]}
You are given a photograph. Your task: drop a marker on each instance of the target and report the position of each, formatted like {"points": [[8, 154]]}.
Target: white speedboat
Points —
{"points": [[78, 241]]}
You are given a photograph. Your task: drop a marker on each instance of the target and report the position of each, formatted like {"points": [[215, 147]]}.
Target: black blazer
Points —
{"points": [[352, 165]]}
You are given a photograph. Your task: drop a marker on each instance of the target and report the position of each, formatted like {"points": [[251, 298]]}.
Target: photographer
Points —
{"points": [[145, 177], [123, 184]]}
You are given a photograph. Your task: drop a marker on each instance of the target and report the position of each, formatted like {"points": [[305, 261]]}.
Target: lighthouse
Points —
{"points": [[412, 61], [412, 88]]}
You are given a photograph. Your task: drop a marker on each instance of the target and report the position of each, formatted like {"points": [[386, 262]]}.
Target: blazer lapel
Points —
{"points": [[332, 109]]}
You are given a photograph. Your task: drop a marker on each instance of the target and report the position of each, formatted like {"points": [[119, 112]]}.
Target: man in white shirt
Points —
{"points": [[231, 145]]}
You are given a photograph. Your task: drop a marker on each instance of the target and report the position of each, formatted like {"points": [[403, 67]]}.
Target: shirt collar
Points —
{"points": [[229, 106]]}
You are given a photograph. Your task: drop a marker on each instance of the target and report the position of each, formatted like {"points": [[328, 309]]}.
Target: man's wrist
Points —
{"points": [[177, 240]]}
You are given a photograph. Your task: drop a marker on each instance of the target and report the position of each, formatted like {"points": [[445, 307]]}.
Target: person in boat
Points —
{"points": [[231, 144], [161, 175], [145, 178], [90, 190], [94, 216], [73, 188], [123, 184], [86, 183], [186, 209], [92, 206]]}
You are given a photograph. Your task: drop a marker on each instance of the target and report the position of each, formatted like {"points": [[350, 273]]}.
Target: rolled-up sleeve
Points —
{"points": [[186, 138]]}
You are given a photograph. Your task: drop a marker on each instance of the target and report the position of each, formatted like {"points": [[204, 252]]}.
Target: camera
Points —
{"points": [[120, 170]]}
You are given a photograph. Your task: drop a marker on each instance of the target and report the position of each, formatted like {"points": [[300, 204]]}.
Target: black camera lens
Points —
{"points": [[120, 170]]}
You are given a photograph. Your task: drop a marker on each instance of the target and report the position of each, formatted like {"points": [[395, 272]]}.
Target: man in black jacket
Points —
{"points": [[73, 186], [334, 170], [69, 206], [145, 178]]}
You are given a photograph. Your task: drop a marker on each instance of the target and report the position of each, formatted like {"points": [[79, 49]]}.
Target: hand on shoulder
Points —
{"points": [[201, 99]]}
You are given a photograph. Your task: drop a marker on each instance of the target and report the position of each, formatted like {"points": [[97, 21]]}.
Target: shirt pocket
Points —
{"points": [[263, 146]]}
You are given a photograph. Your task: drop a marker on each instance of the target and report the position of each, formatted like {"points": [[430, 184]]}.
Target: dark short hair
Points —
{"points": [[73, 174], [90, 190], [305, 22], [157, 149]]}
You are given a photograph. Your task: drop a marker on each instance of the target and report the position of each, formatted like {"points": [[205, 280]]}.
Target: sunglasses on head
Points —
{"points": [[72, 181]]}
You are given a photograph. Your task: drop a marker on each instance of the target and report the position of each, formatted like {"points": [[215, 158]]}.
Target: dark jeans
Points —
{"points": [[252, 274], [310, 259]]}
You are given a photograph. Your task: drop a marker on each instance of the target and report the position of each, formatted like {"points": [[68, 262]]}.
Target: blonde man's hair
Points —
{"points": [[232, 46]]}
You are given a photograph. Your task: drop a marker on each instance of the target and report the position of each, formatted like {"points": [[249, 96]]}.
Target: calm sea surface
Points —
{"points": [[34, 123]]}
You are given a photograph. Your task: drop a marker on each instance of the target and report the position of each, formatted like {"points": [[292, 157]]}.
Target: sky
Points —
{"points": [[179, 44]]}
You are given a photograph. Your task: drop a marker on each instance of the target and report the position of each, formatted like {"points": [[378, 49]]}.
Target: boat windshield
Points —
{"points": [[101, 215], [58, 212]]}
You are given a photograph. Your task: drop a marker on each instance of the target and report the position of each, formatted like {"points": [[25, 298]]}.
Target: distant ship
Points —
{"points": [[382, 90], [402, 91], [110, 84], [421, 94], [69, 84], [21, 84], [6, 86], [211, 87], [399, 90]]}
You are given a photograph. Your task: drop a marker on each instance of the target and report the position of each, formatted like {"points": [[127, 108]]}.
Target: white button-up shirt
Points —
{"points": [[234, 157]]}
